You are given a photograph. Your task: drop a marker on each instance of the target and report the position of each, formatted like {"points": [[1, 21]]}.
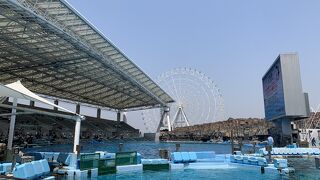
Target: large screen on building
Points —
{"points": [[273, 92]]}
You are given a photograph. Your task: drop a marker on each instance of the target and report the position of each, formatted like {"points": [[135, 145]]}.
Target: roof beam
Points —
{"points": [[87, 45]]}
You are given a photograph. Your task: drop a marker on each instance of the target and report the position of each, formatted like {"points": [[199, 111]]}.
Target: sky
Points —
{"points": [[233, 42]]}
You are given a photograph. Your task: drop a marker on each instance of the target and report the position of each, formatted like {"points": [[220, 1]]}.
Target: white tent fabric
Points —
{"points": [[17, 90]]}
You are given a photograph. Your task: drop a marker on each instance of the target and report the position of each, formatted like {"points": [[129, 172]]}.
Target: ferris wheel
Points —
{"points": [[198, 100]]}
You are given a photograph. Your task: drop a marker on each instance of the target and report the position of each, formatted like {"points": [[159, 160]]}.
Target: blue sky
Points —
{"points": [[233, 42]]}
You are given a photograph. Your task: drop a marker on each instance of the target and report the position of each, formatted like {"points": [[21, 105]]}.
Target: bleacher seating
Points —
{"points": [[252, 160], [291, 151], [189, 157], [34, 169]]}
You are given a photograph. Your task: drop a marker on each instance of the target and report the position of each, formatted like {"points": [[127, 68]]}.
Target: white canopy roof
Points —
{"points": [[17, 90]]}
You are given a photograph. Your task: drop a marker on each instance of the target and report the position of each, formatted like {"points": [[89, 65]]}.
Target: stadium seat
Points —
{"points": [[176, 157], [62, 158], [30, 171], [253, 160], [45, 166], [185, 157], [238, 158], [262, 161], [280, 163], [246, 160], [192, 156]]}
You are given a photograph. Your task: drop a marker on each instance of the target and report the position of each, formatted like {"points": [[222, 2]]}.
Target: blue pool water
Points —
{"points": [[146, 148], [226, 174], [305, 168]]}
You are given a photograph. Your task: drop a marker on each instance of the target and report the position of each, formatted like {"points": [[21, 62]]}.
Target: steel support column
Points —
{"points": [[77, 132], [12, 123]]}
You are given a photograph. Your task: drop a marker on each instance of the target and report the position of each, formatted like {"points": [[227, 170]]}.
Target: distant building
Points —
{"points": [[284, 100]]}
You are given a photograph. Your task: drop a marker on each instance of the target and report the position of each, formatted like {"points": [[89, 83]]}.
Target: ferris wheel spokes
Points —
{"points": [[197, 98]]}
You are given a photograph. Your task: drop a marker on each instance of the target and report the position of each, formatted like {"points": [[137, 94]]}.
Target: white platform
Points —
{"points": [[129, 168], [176, 166], [209, 165]]}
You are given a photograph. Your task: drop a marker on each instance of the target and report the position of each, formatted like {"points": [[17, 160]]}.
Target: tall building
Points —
{"points": [[284, 99]]}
